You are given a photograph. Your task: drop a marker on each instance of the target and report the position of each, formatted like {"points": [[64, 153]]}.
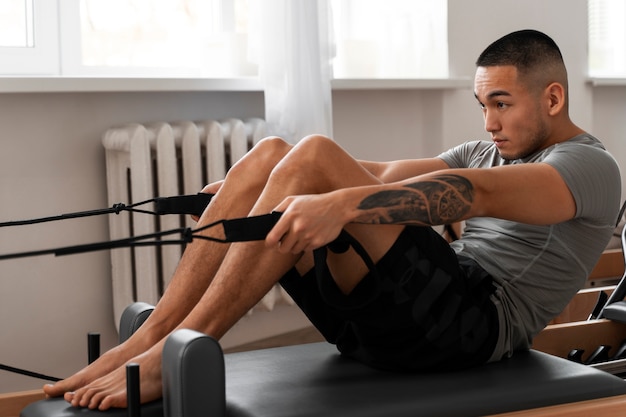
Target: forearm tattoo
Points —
{"points": [[440, 200]]}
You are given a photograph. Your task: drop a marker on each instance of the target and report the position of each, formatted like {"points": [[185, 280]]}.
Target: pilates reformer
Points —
{"points": [[315, 380]]}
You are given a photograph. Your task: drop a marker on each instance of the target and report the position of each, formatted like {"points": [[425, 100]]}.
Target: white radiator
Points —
{"points": [[161, 160]]}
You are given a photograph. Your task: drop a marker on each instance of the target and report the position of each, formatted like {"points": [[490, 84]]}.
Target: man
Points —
{"points": [[540, 201]]}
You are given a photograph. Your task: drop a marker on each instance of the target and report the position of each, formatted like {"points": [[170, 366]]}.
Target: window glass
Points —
{"points": [[29, 37], [180, 37], [607, 38], [390, 39], [16, 23]]}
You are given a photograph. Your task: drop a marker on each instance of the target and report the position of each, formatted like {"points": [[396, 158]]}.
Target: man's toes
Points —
{"points": [[97, 400], [69, 396], [80, 397], [113, 401], [56, 390]]}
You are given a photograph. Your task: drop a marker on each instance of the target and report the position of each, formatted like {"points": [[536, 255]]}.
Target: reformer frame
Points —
{"points": [[200, 381]]}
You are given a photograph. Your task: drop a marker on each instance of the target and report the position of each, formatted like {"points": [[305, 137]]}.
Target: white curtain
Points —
{"points": [[290, 40]]}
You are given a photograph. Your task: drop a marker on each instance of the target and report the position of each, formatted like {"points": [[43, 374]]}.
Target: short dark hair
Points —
{"points": [[525, 49], [536, 56]]}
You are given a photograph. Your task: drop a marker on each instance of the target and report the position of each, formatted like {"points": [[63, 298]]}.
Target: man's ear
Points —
{"points": [[555, 94]]}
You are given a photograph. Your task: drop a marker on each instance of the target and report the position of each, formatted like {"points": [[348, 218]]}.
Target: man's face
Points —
{"points": [[513, 114]]}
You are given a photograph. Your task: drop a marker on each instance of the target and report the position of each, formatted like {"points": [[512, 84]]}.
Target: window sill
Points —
{"points": [[119, 84], [94, 84], [402, 84], [607, 82]]}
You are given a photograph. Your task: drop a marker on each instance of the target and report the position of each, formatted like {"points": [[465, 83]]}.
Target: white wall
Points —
{"points": [[51, 161], [608, 107], [388, 124]]}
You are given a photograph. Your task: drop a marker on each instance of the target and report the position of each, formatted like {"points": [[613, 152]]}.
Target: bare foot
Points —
{"points": [[108, 362], [105, 364], [109, 391]]}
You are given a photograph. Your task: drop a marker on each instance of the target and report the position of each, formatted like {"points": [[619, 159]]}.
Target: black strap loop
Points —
{"points": [[340, 245]]}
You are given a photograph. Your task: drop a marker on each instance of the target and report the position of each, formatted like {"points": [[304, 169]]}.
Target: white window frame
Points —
{"points": [[69, 36], [43, 57]]}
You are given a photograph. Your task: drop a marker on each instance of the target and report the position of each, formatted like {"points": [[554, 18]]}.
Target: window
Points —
{"points": [[16, 24], [209, 38], [390, 39], [29, 37], [607, 38], [197, 38]]}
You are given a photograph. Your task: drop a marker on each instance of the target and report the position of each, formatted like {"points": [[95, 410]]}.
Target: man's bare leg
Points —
{"points": [[236, 197], [250, 269]]}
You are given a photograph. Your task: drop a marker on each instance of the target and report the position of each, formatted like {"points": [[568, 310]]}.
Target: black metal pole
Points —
{"points": [[93, 347], [133, 390]]}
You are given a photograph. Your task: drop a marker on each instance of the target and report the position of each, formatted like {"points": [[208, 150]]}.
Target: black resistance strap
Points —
{"points": [[184, 204], [28, 373], [235, 230]]}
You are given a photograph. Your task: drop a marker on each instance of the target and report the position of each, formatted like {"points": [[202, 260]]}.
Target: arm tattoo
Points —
{"points": [[440, 200]]}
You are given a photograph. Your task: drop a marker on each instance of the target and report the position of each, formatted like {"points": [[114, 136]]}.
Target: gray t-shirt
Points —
{"points": [[538, 269]]}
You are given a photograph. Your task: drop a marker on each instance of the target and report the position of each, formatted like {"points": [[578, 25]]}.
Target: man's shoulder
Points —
{"points": [[582, 140], [581, 146]]}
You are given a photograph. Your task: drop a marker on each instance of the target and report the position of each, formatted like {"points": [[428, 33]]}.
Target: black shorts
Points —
{"points": [[422, 309]]}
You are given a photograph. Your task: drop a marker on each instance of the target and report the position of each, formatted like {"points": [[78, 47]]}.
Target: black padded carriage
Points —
{"points": [[314, 380]]}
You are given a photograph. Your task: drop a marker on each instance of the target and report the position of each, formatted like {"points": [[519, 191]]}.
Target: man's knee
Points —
{"points": [[305, 159], [317, 163], [273, 143], [313, 146], [265, 155], [312, 152]]}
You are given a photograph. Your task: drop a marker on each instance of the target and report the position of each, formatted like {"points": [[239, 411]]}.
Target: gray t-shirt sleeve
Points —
{"points": [[591, 175]]}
